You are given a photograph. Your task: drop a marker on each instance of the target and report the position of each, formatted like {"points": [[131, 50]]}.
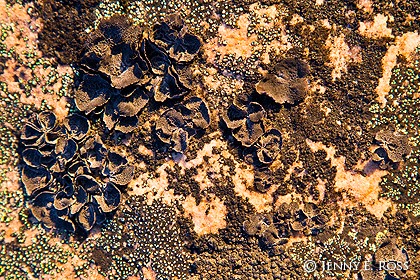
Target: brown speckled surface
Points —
{"points": [[182, 216]]}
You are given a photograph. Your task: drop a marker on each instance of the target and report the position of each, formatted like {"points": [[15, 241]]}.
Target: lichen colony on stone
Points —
{"points": [[392, 148], [286, 83], [71, 178], [124, 67], [288, 220], [178, 124], [245, 120]]}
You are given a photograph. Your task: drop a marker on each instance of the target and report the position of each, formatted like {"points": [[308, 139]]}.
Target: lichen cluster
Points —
{"points": [[69, 175], [245, 118], [392, 149], [28, 81], [142, 237], [247, 127], [121, 70], [286, 83], [124, 69], [288, 220], [175, 126]]}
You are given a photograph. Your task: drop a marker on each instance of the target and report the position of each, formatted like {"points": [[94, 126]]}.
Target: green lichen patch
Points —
{"points": [[141, 237], [40, 258], [402, 112], [11, 120]]}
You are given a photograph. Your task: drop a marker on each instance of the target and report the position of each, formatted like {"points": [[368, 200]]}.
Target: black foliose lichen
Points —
{"points": [[287, 220], [245, 120], [123, 67], [70, 177], [176, 125], [262, 226]]}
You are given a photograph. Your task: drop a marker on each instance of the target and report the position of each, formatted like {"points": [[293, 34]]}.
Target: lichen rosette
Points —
{"points": [[177, 125], [391, 148], [287, 82], [246, 124]]}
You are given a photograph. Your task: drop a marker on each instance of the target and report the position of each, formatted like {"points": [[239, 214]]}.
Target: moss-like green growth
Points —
{"points": [[19, 261], [403, 112], [141, 237]]}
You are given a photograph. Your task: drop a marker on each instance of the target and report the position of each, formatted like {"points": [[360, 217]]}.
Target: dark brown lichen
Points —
{"points": [[392, 149], [262, 226], [121, 70], [286, 83], [177, 125], [245, 120], [70, 177], [181, 45], [266, 149], [293, 219]]}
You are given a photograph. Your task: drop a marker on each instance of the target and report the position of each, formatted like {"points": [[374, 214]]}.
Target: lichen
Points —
{"points": [[121, 70], [69, 175], [142, 237], [402, 186], [313, 151]]}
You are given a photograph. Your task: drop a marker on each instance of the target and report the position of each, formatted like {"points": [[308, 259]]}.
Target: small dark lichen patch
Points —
{"points": [[274, 229], [266, 149], [175, 39], [245, 120], [393, 148], [262, 226], [177, 125], [293, 219], [287, 82], [262, 180], [69, 175]]}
